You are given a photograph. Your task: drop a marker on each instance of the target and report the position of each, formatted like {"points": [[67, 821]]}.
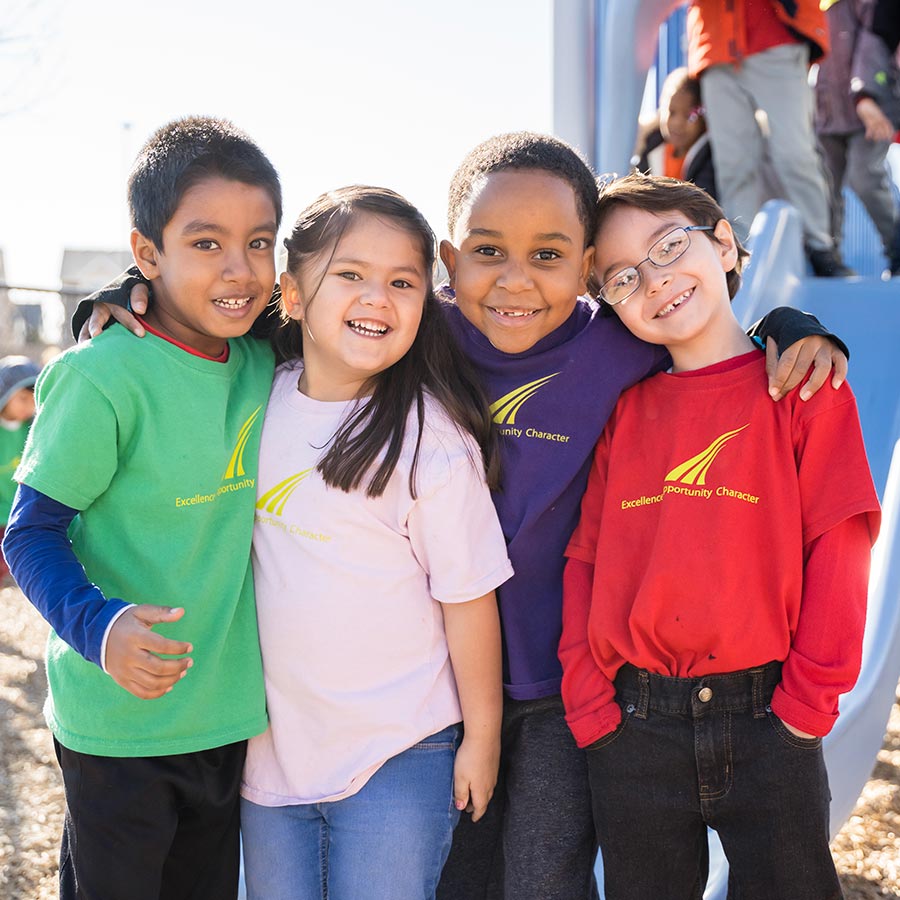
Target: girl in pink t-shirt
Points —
{"points": [[376, 553]]}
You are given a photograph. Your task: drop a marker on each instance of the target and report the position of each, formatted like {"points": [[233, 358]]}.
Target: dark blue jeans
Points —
{"points": [[693, 753]]}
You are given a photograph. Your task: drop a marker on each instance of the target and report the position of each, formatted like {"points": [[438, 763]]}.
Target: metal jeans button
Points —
{"points": [[704, 695]]}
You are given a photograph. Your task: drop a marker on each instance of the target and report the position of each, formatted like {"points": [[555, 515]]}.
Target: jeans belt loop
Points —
{"points": [[643, 704], [759, 699]]}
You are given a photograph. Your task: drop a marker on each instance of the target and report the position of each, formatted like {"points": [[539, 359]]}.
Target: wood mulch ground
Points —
{"points": [[31, 799]]}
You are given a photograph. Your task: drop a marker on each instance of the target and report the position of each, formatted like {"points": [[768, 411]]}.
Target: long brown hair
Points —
{"points": [[434, 363]]}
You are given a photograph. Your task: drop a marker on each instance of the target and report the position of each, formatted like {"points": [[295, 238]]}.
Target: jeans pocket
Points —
{"points": [[614, 735], [789, 737], [446, 739]]}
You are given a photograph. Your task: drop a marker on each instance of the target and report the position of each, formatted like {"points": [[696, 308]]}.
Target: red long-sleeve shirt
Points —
{"points": [[720, 531]]}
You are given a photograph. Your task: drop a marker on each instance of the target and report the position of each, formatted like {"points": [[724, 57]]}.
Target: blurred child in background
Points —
{"points": [[675, 142], [17, 377]]}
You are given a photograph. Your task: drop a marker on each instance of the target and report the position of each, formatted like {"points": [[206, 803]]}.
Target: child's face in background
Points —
{"points": [[360, 306], [215, 272], [19, 407], [518, 261], [680, 121], [684, 303]]}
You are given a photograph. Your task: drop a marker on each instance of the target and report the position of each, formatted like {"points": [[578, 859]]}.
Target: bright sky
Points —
{"points": [[334, 91]]}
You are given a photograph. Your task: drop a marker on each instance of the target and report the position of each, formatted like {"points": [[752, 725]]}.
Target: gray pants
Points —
{"points": [[774, 81], [861, 165], [536, 841]]}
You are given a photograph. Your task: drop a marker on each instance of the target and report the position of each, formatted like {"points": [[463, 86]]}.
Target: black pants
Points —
{"points": [[151, 828], [536, 840], [693, 753]]}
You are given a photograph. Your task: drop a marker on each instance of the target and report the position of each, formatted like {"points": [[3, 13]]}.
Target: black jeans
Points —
{"points": [[151, 828], [693, 753]]}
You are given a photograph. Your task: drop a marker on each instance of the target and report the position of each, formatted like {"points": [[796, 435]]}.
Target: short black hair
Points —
{"points": [[183, 153], [526, 151]]}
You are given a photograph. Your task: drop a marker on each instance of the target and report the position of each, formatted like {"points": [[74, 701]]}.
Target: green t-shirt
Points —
{"points": [[12, 441], [158, 450]]}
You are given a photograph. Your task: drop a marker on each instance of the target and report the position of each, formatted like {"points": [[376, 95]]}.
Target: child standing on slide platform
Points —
{"points": [[714, 598]]}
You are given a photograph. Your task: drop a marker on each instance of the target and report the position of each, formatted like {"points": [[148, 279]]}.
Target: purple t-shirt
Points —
{"points": [[549, 406]]}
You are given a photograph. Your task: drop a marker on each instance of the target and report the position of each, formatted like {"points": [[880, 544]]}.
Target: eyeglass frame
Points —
{"points": [[685, 228]]}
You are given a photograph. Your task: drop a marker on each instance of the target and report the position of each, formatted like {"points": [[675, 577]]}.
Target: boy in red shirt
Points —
{"points": [[702, 655]]}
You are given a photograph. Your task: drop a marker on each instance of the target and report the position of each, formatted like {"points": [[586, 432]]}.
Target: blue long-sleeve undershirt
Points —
{"points": [[40, 557]]}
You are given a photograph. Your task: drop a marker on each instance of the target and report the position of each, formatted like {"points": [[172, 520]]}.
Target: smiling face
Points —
{"points": [[360, 306], [518, 260], [680, 121], [214, 273], [684, 306]]}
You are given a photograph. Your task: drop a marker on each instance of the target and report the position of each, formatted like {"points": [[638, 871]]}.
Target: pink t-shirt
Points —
{"points": [[349, 592]]}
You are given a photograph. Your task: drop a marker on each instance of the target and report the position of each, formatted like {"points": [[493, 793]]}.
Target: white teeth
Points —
{"points": [[674, 304], [515, 313], [367, 327], [232, 302]]}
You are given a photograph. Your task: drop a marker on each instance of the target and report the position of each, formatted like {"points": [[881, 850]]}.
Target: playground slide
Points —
{"points": [[865, 312]]}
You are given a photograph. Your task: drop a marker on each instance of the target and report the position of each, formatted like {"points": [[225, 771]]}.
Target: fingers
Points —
{"points": [[784, 372], [154, 643], [821, 363], [771, 366], [478, 803], [141, 661], [139, 298], [839, 372], [126, 318], [154, 615], [469, 797], [461, 792], [149, 685], [100, 314], [815, 355]]}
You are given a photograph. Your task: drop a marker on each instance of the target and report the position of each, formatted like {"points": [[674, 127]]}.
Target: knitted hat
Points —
{"points": [[16, 372]]}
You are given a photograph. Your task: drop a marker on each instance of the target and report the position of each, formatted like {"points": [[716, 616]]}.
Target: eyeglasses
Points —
{"points": [[663, 253]]}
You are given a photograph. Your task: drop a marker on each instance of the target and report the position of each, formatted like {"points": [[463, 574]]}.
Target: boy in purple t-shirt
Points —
{"points": [[522, 211]]}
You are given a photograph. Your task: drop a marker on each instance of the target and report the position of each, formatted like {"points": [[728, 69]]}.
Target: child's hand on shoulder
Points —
{"points": [[475, 774], [133, 651], [102, 312], [814, 352]]}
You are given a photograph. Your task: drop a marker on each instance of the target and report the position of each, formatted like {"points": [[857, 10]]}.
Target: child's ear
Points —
{"points": [[145, 255], [290, 296], [448, 258], [587, 262], [727, 245]]}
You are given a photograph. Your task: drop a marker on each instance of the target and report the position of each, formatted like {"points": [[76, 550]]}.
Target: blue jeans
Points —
{"points": [[698, 752], [389, 841]]}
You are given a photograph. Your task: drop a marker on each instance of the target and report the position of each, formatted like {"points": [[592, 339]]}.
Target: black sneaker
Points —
{"points": [[893, 269], [827, 264]]}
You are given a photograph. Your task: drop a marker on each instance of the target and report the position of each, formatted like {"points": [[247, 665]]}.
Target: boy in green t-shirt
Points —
{"points": [[139, 474], [17, 377]]}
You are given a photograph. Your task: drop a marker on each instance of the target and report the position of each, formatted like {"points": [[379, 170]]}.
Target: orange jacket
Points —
{"points": [[716, 31]]}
